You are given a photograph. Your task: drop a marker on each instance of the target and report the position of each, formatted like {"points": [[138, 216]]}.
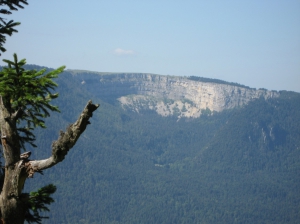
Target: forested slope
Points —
{"points": [[237, 166]]}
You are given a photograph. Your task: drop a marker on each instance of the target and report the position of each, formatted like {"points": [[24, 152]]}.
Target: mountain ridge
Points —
{"points": [[170, 95], [240, 165]]}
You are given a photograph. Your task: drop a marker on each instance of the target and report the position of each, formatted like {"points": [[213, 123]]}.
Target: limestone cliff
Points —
{"points": [[169, 95]]}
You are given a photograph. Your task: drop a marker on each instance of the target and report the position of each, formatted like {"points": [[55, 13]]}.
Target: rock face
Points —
{"points": [[169, 95]]}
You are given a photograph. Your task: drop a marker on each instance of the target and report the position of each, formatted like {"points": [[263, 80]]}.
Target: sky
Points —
{"points": [[251, 42]]}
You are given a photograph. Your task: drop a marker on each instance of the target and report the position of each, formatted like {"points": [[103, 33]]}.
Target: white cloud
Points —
{"points": [[120, 51]]}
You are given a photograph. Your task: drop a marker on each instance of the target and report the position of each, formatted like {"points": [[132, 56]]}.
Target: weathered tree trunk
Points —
{"points": [[13, 203], [10, 204]]}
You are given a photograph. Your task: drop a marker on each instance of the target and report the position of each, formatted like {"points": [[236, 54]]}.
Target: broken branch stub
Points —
{"points": [[66, 140]]}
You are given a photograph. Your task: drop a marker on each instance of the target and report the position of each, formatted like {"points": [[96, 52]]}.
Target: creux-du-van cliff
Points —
{"points": [[170, 95]]}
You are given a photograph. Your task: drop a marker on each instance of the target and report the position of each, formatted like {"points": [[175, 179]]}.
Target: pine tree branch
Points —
{"points": [[64, 143]]}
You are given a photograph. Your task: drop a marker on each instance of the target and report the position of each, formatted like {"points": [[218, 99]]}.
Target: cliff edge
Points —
{"points": [[169, 95]]}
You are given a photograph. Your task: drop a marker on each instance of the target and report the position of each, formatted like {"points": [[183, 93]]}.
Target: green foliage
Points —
{"points": [[38, 202], [27, 94], [218, 81], [145, 168], [8, 28], [206, 112]]}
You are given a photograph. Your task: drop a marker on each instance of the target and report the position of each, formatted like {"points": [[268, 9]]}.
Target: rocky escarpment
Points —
{"points": [[169, 95]]}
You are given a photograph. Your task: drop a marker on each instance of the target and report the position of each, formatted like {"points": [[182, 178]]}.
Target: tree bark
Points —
{"points": [[12, 201]]}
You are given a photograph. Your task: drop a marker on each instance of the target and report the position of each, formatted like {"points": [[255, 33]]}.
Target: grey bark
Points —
{"points": [[12, 201]]}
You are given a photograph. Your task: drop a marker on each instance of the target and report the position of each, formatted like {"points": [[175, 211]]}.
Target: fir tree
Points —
{"points": [[25, 100], [8, 28], [25, 97]]}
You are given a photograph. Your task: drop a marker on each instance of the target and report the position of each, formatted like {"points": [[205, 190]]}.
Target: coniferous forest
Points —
{"points": [[131, 165], [236, 166]]}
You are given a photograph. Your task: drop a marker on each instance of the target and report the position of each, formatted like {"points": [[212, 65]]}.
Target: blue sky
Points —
{"points": [[251, 42]]}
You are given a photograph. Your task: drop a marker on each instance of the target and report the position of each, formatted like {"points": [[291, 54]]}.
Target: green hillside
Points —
{"points": [[237, 166]]}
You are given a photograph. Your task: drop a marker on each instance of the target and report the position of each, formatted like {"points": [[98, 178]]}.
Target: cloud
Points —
{"points": [[120, 51]]}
